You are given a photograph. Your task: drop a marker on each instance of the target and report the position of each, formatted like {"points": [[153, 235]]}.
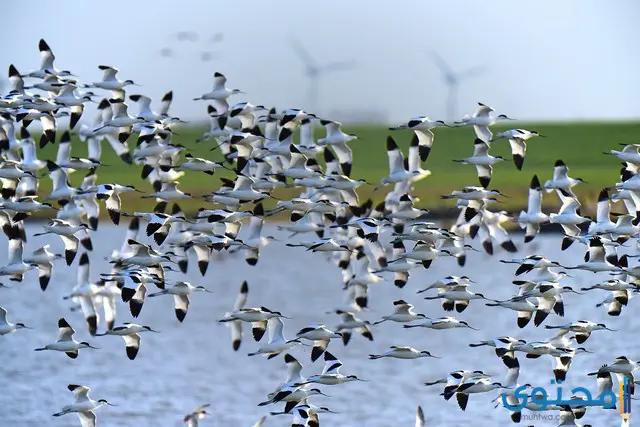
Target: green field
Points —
{"points": [[580, 145]]}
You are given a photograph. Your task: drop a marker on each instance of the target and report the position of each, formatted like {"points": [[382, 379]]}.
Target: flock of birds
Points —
{"points": [[368, 242]]}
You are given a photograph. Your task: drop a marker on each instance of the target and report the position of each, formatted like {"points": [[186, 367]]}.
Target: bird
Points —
{"points": [[65, 341], [458, 296], [403, 313], [422, 127], [561, 179], [397, 170], [6, 327], [258, 318], [47, 59], [83, 405], [320, 336], [277, 343], [213, 197], [441, 323], [236, 325], [219, 91], [67, 233], [192, 418], [109, 80], [130, 332], [481, 120], [338, 139], [479, 386], [181, 292], [533, 217], [331, 373], [482, 160], [402, 352]]}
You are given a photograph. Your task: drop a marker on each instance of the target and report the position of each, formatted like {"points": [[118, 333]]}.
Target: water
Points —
{"points": [[193, 363]]}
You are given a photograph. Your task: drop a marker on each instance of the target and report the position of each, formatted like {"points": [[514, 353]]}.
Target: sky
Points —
{"points": [[542, 60]]}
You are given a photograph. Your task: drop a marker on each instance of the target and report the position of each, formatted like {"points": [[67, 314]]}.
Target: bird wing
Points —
{"points": [[219, 81], [396, 159], [483, 133], [80, 392], [84, 269], [560, 172], [87, 419], [241, 299], [181, 302], [260, 421], [331, 128], [89, 311], [46, 56], [15, 251], [275, 327], [518, 150], [108, 73], [535, 197], [344, 154], [166, 103], [480, 148]]}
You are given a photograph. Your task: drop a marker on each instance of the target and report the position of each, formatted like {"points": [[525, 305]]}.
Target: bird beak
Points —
{"points": [[324, 394], [285, 317], [471, 327], [207, 290], [153, 330], [95, 348], [110, 404]]}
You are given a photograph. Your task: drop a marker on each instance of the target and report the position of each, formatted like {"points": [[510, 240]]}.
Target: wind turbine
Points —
{"points": [[315, 71], [453, 79]]}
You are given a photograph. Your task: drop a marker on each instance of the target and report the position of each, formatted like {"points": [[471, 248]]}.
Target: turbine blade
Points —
{"points": [[303, 54]]}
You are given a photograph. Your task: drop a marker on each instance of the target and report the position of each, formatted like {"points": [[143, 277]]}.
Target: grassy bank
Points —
{"points": [[580, 145]]}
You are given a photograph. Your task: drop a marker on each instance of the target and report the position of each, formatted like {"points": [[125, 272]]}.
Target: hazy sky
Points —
{"points": [[546, 59]]}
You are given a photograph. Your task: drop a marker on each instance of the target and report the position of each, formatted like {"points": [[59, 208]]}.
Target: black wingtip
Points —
{"points": [[535, 183], [13, 71], [43, 46], [84, 259], [391, 143], [604, 195]]}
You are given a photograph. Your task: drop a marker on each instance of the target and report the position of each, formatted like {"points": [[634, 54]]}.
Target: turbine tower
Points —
{"points": [[315, 71], [453, 79]]}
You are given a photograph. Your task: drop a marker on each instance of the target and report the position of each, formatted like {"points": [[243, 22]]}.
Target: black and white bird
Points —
{"points": [[65, 341], [130, 332], [482, 160]]}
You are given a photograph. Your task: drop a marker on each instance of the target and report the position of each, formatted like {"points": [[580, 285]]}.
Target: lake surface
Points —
{"points": [[193, 363]]}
